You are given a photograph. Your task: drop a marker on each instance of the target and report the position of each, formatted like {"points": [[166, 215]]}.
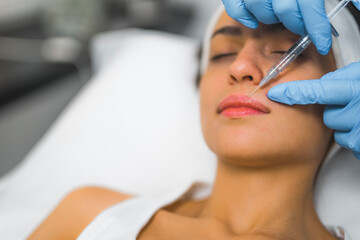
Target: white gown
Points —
{"points": [[125, 220]]}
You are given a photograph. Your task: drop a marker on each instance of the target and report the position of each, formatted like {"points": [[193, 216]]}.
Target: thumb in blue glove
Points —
{"points": [[356, 3], [340, 91], [238, 11]]}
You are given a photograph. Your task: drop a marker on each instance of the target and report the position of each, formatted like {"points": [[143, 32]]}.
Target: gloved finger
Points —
{"points": [[262, 10], [343, 118], [349, 140], [334, 118], [351, 71], [238, 11], [356, 3], [328, 92], [288, 12], [317, 24], [357, 155]]}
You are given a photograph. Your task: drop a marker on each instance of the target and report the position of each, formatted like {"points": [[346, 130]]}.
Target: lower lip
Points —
{"points": [[240, 112]]}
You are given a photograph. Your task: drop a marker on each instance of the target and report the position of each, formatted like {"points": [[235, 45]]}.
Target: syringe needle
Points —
{"points": [[254, 91]]}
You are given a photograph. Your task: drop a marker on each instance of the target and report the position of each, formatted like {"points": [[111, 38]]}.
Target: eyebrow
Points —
{"points": [[228, 30], [278, 27], [236, 31]]}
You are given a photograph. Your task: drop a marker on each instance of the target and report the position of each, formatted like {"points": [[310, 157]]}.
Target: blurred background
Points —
{"points": [[45, 56]]}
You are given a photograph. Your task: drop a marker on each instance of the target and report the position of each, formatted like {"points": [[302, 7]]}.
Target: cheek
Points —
{"points": [[301, 130], [213, 88], [208, 88], [302, 72], [308, 68]]}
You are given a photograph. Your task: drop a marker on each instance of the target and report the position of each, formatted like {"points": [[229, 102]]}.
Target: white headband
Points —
{"points": [[207, 38]]}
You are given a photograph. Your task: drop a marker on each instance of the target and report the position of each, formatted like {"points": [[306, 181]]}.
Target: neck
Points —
{"points": [[275, 201]]}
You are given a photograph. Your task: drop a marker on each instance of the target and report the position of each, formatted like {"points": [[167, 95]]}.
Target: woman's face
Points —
{"points": [[241, 131]]}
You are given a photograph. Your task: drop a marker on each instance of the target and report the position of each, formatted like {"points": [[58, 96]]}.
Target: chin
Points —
{"points": [[242, 149], [258, 150], [256, 157]]}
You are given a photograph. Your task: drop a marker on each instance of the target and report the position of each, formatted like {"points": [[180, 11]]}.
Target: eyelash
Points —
{"points": [[224, 55]]}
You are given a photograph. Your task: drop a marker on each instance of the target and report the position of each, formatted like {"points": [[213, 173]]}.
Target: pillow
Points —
{"points": [[134, 128], [337, 193]]}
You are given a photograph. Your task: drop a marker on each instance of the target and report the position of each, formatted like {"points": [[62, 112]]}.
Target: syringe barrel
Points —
{"points": [[286, 59], [292, 54]]}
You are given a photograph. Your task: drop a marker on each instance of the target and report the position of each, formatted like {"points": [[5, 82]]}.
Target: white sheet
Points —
{"points": [[134, 128]]}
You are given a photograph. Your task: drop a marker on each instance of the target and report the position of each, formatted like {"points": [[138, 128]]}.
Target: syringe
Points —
{"points": [[295, 50]]}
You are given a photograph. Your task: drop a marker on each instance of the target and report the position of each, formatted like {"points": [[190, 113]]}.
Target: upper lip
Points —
{"points": [[237, 101]]}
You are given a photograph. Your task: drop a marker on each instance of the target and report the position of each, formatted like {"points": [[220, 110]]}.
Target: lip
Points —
{"points": [[235, 106]]}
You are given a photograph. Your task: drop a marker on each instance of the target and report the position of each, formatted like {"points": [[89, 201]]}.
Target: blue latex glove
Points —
{"points": [[299, 16], [340, 91]]}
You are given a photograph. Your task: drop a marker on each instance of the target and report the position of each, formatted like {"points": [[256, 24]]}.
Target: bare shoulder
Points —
{"points": [[94, 195], [76, 211]]}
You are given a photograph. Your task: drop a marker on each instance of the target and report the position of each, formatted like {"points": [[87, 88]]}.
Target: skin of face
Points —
{"points": [[239, 59]]}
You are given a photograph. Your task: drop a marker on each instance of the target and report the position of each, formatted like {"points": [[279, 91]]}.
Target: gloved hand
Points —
{"points": [[340, 91], [299, 16]]}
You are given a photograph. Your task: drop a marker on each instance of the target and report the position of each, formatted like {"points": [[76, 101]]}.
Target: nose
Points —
{"points": [[246, 66]]}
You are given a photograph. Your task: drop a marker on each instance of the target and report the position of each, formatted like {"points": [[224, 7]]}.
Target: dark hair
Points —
{"points": [[355, 12], [198, 75]]}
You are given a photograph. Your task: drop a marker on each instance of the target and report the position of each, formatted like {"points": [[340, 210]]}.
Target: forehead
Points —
{"points": [[229, 27]]}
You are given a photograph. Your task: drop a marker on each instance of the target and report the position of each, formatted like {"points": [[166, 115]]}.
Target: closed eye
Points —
{"points": [[223, 55]]}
